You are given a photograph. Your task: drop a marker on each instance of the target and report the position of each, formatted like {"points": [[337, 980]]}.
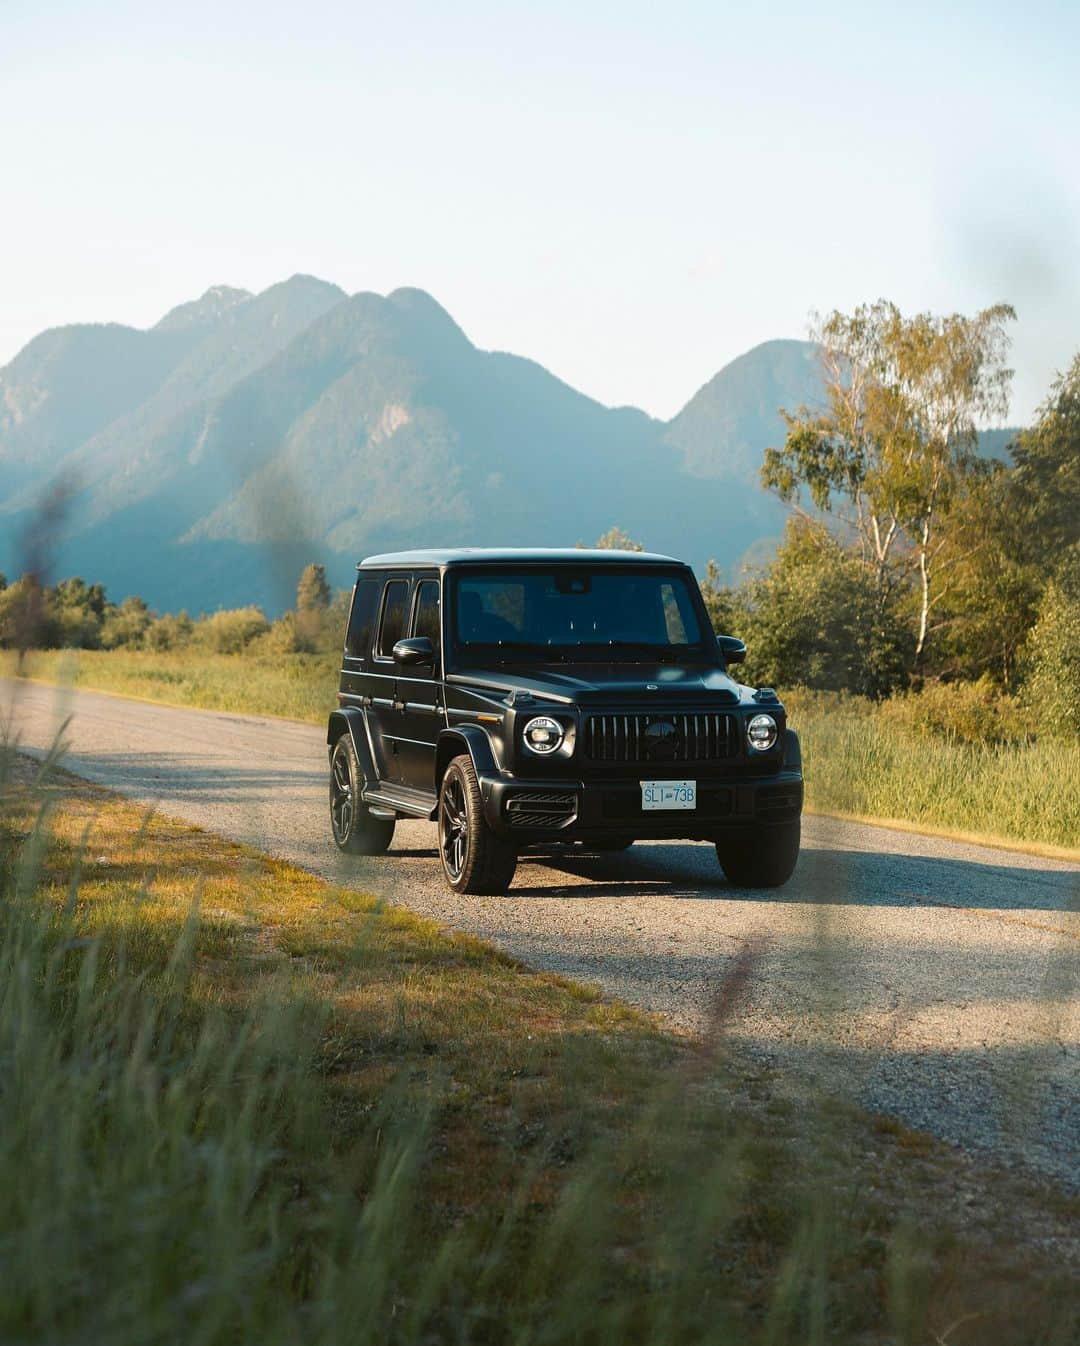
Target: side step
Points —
{"points": [[388, 800]]}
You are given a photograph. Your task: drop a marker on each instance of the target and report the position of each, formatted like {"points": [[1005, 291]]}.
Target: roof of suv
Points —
{"points": [[457, 555]]}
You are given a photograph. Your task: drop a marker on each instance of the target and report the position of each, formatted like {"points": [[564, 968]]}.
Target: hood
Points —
{"points": [[611, 684]]}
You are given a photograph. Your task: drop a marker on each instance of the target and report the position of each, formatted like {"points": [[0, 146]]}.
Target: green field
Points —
{"points": [[858, 761], [239, 1104]]}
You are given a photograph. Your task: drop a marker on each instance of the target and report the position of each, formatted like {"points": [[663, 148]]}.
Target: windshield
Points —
{"points": [[569, 611]]}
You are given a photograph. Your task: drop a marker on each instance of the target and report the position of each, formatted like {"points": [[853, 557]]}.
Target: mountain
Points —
{"points": [[209, 458]]}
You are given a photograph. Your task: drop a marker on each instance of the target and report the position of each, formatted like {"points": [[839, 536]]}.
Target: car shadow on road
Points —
{"points": [[822, 876]]}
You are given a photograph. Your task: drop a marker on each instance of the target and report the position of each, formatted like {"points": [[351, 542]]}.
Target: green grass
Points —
{"points": [[239, 1104], [857, 761]]}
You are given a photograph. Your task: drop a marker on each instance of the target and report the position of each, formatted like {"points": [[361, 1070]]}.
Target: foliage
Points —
{"points": [[895, 442], [307, 627], [725, 604], [817, 621], [232, 630], [171, 631], [126, 624], [967, 712], [1053, 684], [616, 539]]}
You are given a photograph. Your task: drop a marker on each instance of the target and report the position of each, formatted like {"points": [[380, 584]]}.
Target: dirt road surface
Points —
{"points": [[932, 980]]}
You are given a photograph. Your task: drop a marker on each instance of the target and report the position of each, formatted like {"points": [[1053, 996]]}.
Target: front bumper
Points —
{"points": [[576, 810]]}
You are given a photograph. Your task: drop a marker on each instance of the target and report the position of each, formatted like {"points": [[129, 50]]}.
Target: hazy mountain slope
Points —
{"points": [[141, 453], [727, 424], [69, 383]]}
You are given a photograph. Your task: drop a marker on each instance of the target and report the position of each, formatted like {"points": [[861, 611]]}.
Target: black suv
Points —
{"points": [[518, 697]]}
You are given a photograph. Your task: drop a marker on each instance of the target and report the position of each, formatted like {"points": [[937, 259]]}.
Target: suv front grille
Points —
{"points": [[658, 738], [541, 808]]}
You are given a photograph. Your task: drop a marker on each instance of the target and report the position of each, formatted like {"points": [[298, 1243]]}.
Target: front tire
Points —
{"points": [[765, 859], [356, 830], [474, 859]]}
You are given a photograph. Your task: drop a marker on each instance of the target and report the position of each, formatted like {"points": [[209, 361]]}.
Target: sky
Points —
{"points": [[630, 193]]}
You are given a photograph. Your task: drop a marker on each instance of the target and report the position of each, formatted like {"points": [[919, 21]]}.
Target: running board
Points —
{"points": [[388, 802]]}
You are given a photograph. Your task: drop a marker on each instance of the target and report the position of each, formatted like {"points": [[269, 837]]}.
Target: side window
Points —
{"points": [[362, 618], [428, 615], [392, 627]]}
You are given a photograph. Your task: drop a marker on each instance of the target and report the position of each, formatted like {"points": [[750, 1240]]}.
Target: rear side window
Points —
{"points": [[392, 627], [362, 618], [428, 621]]}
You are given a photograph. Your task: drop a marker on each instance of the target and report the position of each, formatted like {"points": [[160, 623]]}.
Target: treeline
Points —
{"points": [[74, 614]]}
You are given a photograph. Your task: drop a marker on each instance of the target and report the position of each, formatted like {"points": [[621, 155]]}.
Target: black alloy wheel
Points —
{"points": [[356, 830], [474, 859]]}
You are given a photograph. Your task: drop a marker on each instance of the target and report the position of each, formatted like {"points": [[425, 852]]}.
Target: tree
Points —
{"points": [[1047, 458], [894, 446], [817, 621], [725, 604], [1053, 682], [126, 624], [313, 591], [312, 603], [617, 540]]}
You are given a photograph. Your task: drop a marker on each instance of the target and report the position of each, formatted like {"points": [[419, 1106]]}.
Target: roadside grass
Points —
{"points": [[239, 1103], [858, 762]]}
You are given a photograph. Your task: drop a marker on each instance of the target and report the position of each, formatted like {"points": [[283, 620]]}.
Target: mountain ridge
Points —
{"points": [[244, 435]]}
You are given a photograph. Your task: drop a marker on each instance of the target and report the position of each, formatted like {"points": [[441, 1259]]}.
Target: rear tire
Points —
{"points": [[356, 830], [474, 859], [765, 859]]}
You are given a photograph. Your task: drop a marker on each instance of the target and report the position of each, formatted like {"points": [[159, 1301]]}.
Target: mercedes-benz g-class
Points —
{"points": [[528, 697]]}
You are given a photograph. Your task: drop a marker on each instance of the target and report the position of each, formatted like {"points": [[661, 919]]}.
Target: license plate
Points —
{"points": [[668, 794]]}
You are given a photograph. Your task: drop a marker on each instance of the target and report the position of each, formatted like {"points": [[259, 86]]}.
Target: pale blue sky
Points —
{"points": [[630, 193]]}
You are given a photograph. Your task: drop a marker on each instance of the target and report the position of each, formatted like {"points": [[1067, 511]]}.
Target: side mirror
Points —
{"points": [[414, 650], [732, 648]]}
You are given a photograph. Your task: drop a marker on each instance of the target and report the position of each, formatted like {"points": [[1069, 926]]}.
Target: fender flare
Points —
{"points": [[792, 751], [351, 721], [468, 738]]}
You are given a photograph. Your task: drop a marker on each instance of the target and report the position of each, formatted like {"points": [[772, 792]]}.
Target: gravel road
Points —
{"points": [[929, 979]]}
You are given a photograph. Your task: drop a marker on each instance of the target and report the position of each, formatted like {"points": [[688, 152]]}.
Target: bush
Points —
{"points": [[170, 632], [231, 630], [127, 624], [970, 712]]}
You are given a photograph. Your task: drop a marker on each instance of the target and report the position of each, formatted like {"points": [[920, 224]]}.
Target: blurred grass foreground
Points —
{"points": [[239, 1104], [959, 757]]}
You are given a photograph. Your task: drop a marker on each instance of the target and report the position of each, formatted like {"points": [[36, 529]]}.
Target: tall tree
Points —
{"points": [[313, 591], [892, 449]]}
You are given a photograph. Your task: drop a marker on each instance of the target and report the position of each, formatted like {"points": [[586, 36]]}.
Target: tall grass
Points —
{"points": [[202, 1143], [859, 762]]}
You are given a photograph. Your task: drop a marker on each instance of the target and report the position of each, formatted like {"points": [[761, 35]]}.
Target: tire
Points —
{"points": [[765, 859], [356, 830], [609, 844], [474, 859]]}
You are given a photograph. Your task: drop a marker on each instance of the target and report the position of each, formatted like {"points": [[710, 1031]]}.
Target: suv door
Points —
{"points": [[420, 688], [385, 715]]}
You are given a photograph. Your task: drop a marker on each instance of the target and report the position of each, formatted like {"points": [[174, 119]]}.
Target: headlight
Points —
{"points": [[543, 734], [761, 732]]}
